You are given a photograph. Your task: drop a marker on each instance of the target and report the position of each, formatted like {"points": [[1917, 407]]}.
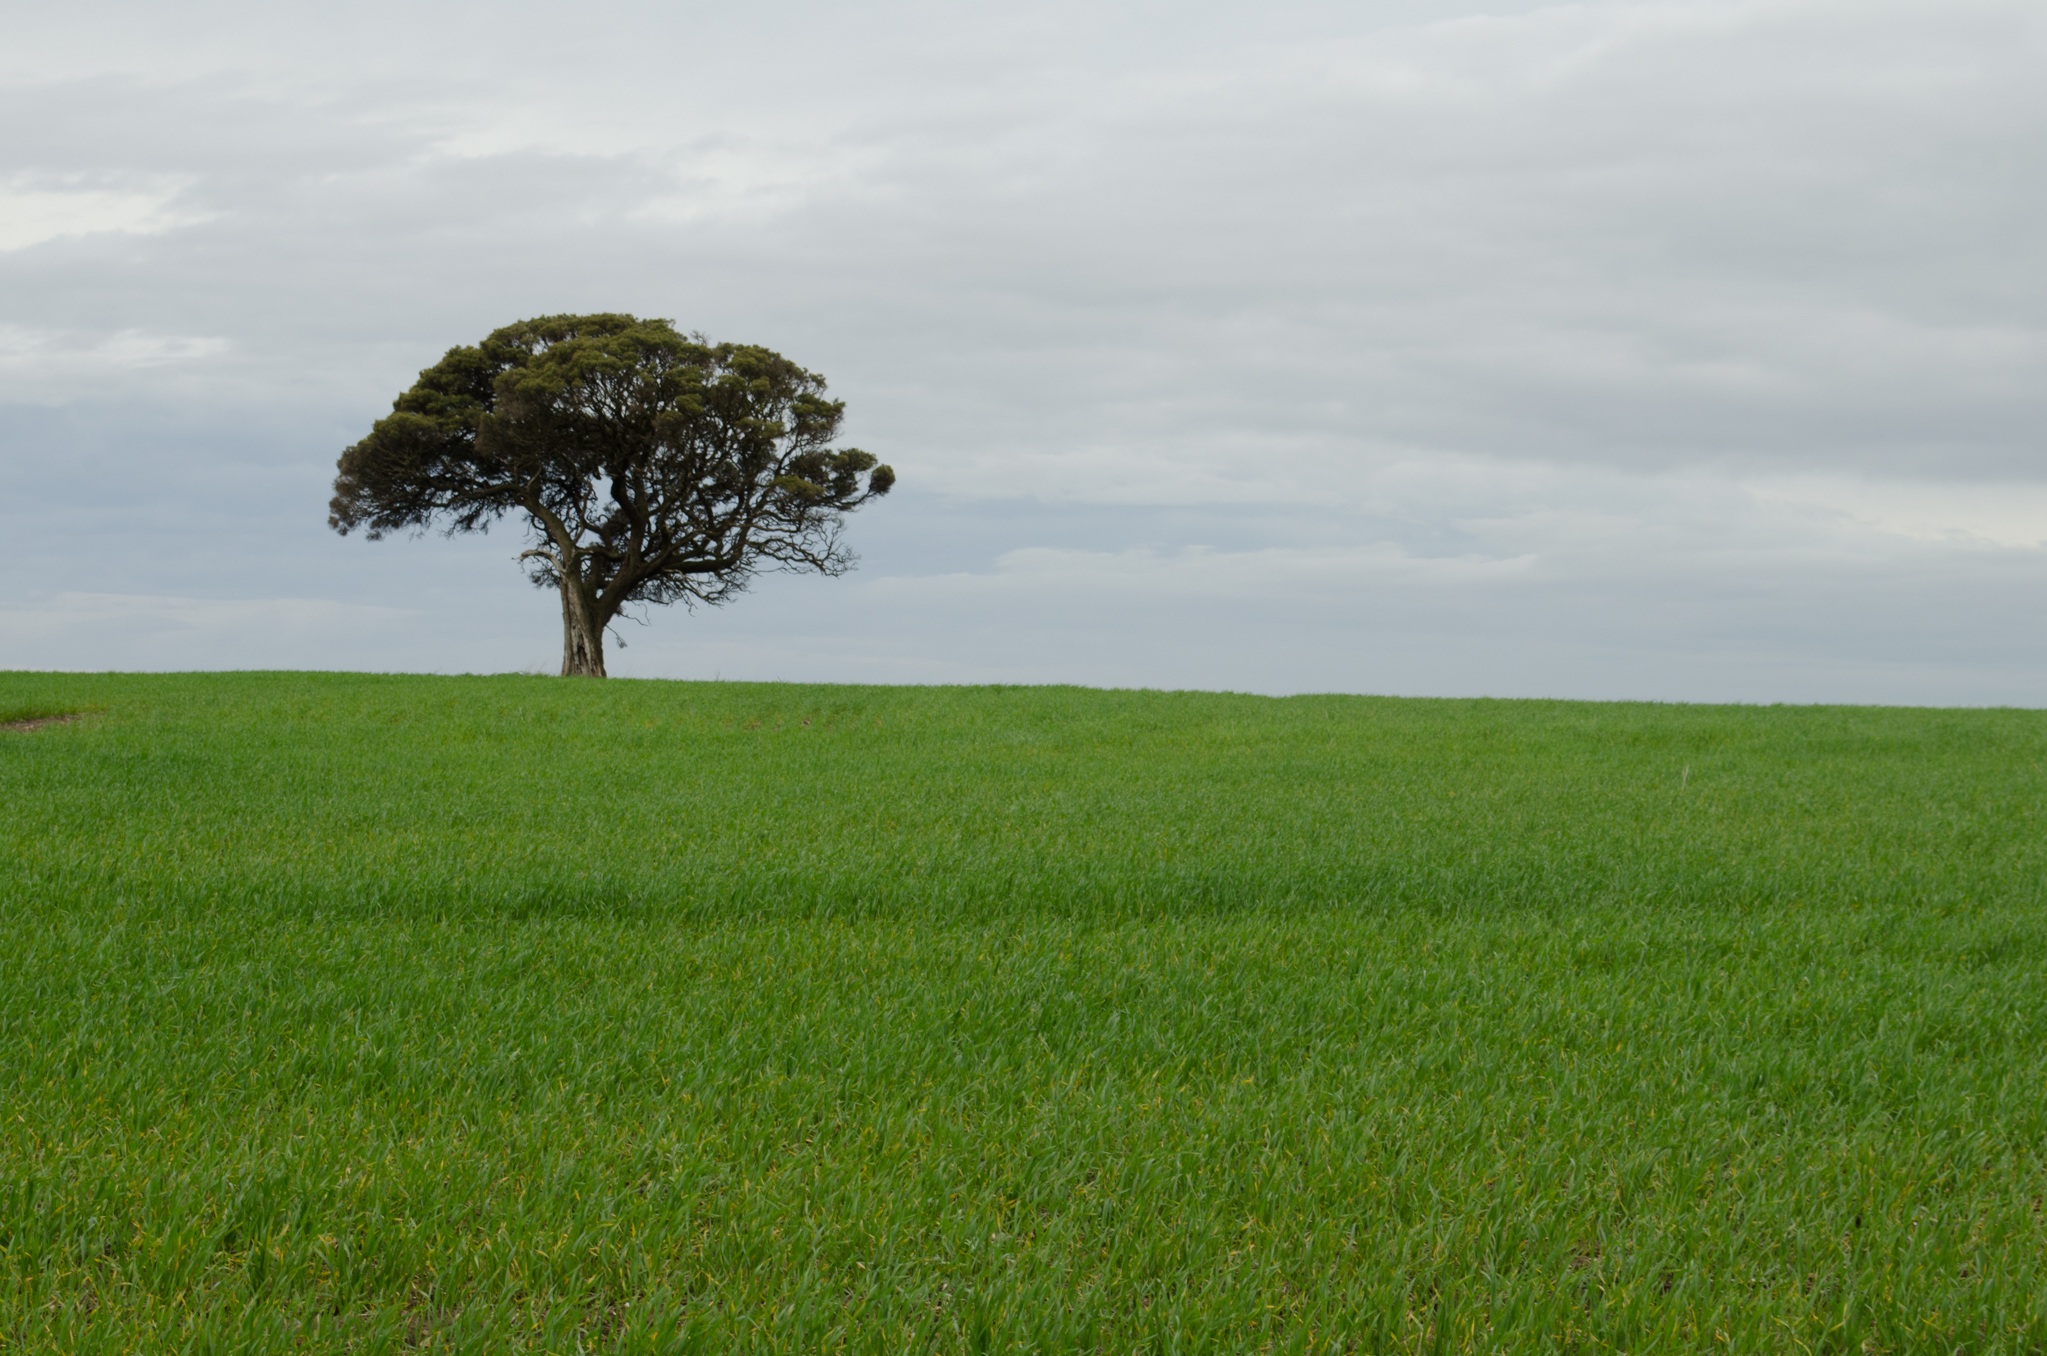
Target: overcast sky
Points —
{"points": [[1666, 350]]}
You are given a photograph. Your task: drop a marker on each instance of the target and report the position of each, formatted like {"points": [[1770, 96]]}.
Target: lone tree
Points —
{"points": [[651, 466]]}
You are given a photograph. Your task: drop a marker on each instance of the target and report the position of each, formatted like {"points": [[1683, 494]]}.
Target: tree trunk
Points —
{"points": [[582, 633]]}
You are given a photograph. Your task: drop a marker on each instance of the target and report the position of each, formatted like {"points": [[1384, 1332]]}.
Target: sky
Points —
{"points": [[1674, 351]]}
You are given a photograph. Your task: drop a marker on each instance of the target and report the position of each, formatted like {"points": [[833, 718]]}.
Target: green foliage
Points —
{"points": [[649, 466], [355, 1013]]}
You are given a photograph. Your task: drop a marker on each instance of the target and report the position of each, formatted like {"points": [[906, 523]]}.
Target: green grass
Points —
{"points": [[355, 1013]]}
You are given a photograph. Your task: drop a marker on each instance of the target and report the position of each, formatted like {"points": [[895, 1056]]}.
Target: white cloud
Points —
{"points": [[79, 630], [43, 367], [1262, 575], [35, 209], [2009, 514]]}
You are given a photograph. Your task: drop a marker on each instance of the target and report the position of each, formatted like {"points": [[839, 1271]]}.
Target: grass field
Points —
{"points": [[349, 1013]]}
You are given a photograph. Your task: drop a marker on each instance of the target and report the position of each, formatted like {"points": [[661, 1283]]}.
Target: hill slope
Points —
{"points": [[342, 1012]]}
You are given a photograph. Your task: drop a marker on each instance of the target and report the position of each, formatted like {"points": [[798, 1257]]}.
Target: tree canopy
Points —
{"points": [[650, 466]]}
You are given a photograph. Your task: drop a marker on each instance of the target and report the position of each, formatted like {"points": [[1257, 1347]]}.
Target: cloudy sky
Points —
{"points": [[1687, 350]]}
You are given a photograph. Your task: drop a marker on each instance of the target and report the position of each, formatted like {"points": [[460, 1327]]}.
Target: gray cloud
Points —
{"points": [[1658, 339]]}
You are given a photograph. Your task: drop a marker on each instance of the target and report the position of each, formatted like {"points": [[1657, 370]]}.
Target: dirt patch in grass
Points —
{"points": [[28, 723]]}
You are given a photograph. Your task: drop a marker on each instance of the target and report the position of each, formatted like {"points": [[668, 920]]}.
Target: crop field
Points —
{"points": [[355, 1013]]}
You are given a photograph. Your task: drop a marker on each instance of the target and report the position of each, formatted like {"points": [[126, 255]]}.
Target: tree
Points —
{"points": [[650, 466]]}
